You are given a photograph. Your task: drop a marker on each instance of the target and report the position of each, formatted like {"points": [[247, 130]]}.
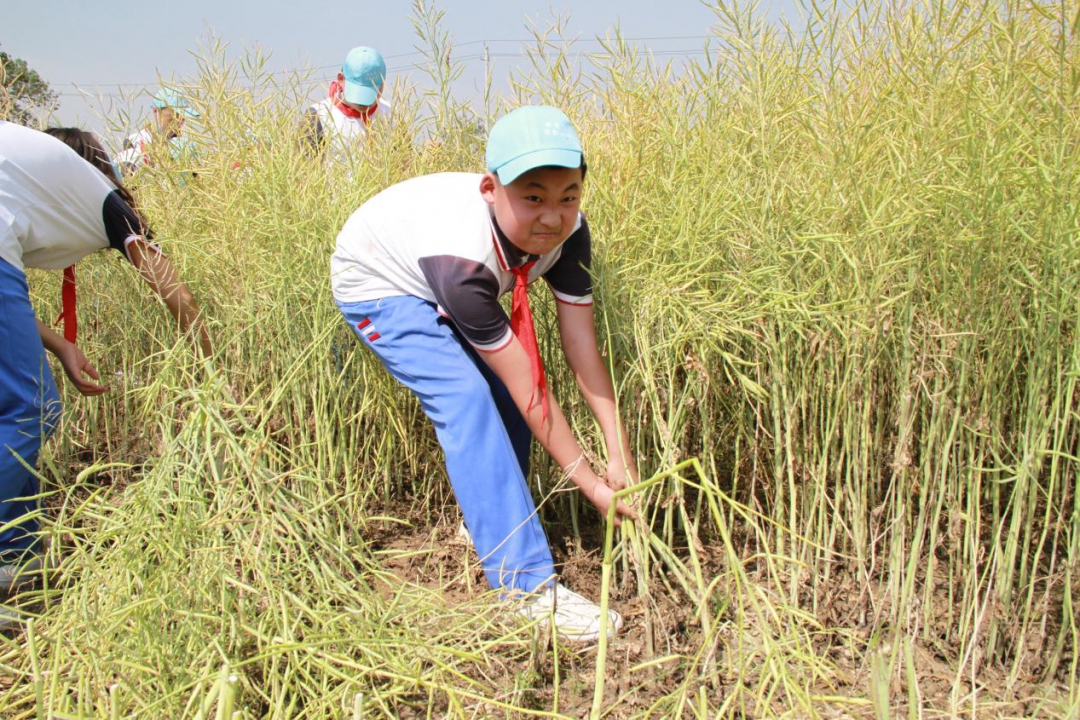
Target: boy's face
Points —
{"points": [[538, 210], [168, 120]]}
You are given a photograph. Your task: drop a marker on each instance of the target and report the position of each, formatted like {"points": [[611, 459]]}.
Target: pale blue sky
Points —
{"points": [[130, 44]]}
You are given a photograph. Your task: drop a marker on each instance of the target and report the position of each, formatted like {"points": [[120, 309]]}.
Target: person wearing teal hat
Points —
{"points": [[353, 103], [418, 271], [170, 110]]}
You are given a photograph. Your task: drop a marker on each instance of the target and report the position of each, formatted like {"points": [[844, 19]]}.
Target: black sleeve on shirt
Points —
{"points": [[570, 273], [468, 292], [311, 130], [121, 222]]}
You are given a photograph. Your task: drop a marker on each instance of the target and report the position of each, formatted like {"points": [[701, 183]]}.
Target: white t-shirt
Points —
{"points": [[55, 208], [434, 237], [343, 133], [136, 150]]}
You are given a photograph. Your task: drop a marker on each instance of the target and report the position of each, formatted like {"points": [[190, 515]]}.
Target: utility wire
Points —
{"points": [[467, 58]]}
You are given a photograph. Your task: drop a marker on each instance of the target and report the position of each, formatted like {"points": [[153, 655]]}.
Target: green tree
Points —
{"points": [[22, 90]]}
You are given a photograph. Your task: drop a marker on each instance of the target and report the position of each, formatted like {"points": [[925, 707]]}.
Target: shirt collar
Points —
{"points": [[510, 257]]}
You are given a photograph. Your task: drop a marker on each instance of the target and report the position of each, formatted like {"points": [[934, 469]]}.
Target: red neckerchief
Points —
{"points": [[521, 322], [336, 91], [67, 299]]}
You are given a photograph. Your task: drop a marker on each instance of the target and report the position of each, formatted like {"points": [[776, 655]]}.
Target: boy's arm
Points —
{"points": [[311, 130], [578, 334], [511, 364], [159, 273], [127, 232]]}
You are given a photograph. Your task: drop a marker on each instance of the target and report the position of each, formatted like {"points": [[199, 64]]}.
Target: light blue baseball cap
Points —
{"points": [[531, 137], [169, 97], [365, 72]]}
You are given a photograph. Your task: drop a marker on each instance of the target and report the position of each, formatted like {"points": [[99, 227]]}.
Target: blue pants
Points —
{"points": [[29, 410], [484, 437]]}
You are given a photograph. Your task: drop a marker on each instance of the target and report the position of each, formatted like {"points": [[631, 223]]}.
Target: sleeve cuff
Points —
{"points": [[568, 299], [132, 238], [497, 345]]}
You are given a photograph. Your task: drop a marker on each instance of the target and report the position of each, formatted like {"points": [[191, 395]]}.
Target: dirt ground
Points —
{"points": [[437, 558]]}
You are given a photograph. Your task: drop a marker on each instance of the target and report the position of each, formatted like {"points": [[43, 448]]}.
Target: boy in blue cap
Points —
{"points": [[170, 110], [353, 103], [418, 272]]}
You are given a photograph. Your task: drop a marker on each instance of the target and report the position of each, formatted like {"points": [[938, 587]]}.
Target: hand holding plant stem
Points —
{"points": [[76, 367], [620, 474], [601, 494], [72, 359]]}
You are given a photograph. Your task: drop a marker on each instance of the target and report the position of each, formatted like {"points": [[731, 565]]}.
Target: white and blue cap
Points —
{"points": [[170, 97], [532, 137], [365, 72]]}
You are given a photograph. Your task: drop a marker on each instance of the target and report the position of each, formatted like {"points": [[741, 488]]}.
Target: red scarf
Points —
{"points": [[336, 91], [67, 299], [521, 322]]}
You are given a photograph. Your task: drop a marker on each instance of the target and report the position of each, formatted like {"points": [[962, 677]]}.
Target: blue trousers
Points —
{"points": [[29, 410], [483, 436]]}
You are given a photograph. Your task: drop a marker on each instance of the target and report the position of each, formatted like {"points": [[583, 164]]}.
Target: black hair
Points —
{"points": [[90, 149]]}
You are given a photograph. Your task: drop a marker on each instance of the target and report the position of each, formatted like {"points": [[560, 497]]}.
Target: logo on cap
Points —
{"points": [[531, 137]]}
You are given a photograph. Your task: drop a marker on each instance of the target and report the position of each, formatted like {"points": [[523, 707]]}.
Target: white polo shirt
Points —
{"points": [[136, 150], [55, 208], [341, 132], [434, 237]]}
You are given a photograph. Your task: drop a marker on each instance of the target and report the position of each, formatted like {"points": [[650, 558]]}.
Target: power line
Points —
{"points": [[397, 56], [469, 58]]}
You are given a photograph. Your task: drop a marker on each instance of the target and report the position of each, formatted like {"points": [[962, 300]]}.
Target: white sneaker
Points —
{"points": [[463, 533], [10, 617], [576, 618], [20, 572]]}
